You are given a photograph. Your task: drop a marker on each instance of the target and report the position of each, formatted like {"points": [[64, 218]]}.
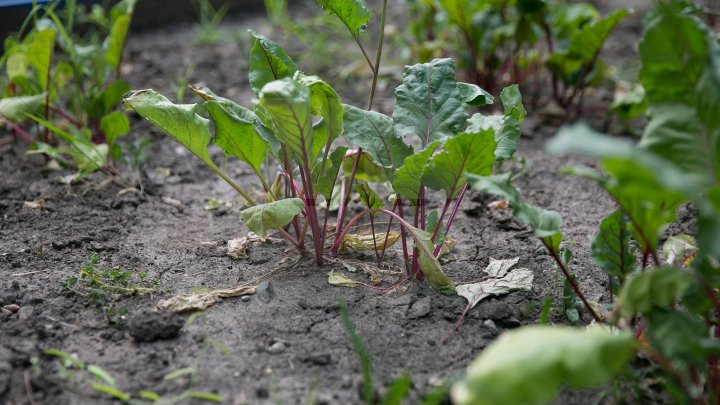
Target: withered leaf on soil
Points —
{"points": [[341, 280], [502, 281], [199, 302], [365, 242], [237, 248]]}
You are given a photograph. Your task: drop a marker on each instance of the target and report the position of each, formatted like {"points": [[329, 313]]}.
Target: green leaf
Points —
{"points": [[115, 42], [152, 396], [679, 250], [398, 391], [408, 178], [179, 373], [287, 102], [429, 104], [461, 11], [644, 291], [326, 179], [67, 358], [113, 392], [681, 76], [101, 375], [367, 170], [17, 109], [474, 96], [429, 265], [272, 215], [465, 153], [352, 13], [545, 223], [179, 121], [268, 62], [106, 100], [679, 336], [611, 246], [40, 53], [368, 196], [205, 396], [326, 103], [529, 365], [374, 133], [114, 125], [512, 103], [235, 133]]}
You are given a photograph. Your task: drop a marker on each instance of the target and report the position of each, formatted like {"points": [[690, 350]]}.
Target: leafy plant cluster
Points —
{"points": [[665, 307], [105, 286], [512, 41], [59, 90], [290, 138]]}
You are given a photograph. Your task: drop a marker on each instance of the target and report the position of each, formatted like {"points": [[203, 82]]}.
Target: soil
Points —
{"points": [[285, 344]]}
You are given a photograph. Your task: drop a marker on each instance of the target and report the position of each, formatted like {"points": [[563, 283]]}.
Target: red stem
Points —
{"points": [[436, 252], [343, 206], [17, 128]]}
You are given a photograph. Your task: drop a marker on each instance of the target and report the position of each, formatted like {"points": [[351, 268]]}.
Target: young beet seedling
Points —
{"points": [[428, 144]]}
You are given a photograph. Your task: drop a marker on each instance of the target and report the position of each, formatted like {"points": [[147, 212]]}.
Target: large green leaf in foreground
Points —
{"points": [[17, 109], [681, 75], [272, 215], [529, 365]]}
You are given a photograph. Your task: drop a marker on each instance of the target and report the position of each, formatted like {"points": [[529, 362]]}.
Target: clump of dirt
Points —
{"points": [[147, 326]]}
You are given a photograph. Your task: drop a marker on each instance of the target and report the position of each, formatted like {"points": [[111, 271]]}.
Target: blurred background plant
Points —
{"points": [[61, 84]]}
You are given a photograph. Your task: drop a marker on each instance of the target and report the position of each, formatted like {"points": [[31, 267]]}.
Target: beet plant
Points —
{"points": [[296, 131], [68, 84], [665, 303]]}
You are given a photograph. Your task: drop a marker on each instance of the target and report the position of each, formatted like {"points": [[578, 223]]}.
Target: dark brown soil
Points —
{"points": [[284, 347]]}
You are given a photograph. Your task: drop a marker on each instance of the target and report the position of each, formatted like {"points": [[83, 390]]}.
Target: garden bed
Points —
{"points": [[286, 343]]}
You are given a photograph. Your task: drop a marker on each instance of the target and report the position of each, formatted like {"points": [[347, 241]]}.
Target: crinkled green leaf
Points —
{"points": [[114, 125], [529, 365], [512, 103], [17, 109], [179, 121], [474, 96], [272, 215], [287, 102], [374, 133], [235, 132], [325, 103], [429, 104], [466, 153], [611, 246], [653, 288], [268, 62], [368, 196], [352, 13], [408, 178]]}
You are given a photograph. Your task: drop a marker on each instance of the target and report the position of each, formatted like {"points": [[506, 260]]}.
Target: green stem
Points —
{"points": [[378, 56]]}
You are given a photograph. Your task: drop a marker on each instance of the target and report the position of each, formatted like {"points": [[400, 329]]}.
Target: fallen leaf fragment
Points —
{"points": [[341, 280], [500, 281], [172, 201], [499, 205], [199, 302], [365, 242], [237, 248], [37, 204]]}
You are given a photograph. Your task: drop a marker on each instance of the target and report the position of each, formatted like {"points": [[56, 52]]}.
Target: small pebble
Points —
{"points": [[276, 348], [245, 298]]}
